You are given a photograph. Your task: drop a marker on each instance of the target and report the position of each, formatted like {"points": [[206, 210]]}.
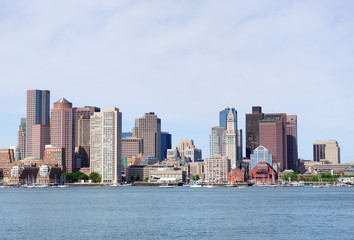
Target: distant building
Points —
{"points": [[239, 145], [261, 154], [55, 156], [217, 141], [131, 147], [236, 176], [16, 152], [38, 103], [40, 138], [62, 127], [216, 169], [166, 143], [272, 135], [148, 128], [80, 112], [6, 156], [148, 160], [231, 139], [252, 129], [127, 134], [21, 138], [223, 116], [326, 150], [263, 172], [83, 140], [292, 146], [185, 144], [197, 168], [173, 153], [194, 154], [106, 145]]}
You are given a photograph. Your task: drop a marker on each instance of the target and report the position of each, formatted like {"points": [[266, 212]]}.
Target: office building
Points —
{"points": [[231, 139], [54, 156], [6, 156], [172, 153], [194, 154], [85, 112], [131, 147], [239, 145], [272, 135], [16, 152], [62, 127], [326, 151], [148, 128], [38, 102], [40, 138], [260, 154], [166, 143], [252, 129], [21, 138], [292, 146], [127, 134], [223, 115], [106, 145], [217, 141], [185, 144]]}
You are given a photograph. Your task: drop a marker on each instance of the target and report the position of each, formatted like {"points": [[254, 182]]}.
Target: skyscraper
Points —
{"points": [[106, 144], [82, 111], [272, 135], [166, 143], [239, 145], [149, 129], [40, 138], [223, 115], [21, 138], [217, 141], [252, 129], [230, 139], [62, 131], [291, 135], [83, 140], [38, 102]]}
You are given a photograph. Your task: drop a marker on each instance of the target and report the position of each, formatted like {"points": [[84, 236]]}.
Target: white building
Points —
{"points": [[194, 154], [216, 169], [230, 139], [106, 144], [217, 141], [326, 150], [172, 153]]}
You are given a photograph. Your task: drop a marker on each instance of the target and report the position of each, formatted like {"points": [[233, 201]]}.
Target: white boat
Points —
{"points": [[196, 186], [63, 186], [210, 186]]}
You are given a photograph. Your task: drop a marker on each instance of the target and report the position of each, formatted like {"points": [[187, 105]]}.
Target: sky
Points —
{"points": [[185, 61]]}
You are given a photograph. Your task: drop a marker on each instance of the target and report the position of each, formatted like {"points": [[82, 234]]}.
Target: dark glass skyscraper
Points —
{"points": [[166, 143], [252, 129]]}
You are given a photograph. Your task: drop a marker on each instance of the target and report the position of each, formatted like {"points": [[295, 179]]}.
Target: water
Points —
{"points": [[177, 213]]}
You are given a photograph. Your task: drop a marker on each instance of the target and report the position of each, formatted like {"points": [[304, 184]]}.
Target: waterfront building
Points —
{"points": [[173, 153], [131, 147], [148, 128], [21, 138], [38, 102], [260, 154], [197, 168], [6, 156], [166, 175], [217, 141], [231, 139], [236, 176], [106, 144], [54, 156], [166, 143], [239, 145], [62, 127], [40, 138], [216, 169], [292, 146], [185, 144], [252, 129], [326, 150], [272, 135], [263, 172], [194, 154], [141, 172]]}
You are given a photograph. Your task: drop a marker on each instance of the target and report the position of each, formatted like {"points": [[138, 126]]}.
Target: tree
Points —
{"points": [[247, 176], [146, 179], [315, 179], [293, 176], [285, 177], [95, 177], [83, 176]]}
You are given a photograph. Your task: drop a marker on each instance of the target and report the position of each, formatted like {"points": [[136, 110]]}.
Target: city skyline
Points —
{"points": [[266, 55]]}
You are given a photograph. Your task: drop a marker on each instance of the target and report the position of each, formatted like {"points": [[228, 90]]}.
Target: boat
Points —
{"points": [[196, 186], [62, 186], [209, 186], [115, 185], [272, 186]]}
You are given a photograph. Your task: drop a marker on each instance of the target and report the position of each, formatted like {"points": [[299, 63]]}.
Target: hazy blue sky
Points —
{"points": [[185, 60]]}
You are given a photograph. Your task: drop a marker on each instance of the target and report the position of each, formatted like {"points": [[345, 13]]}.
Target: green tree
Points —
{"points": [[315, 179], [247, 176], [285, 177], [83, 176], [146, 179], [293, 176], [95, 177]]}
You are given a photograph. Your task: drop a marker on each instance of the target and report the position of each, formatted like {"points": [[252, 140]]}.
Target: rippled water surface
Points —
{"points": [[177, 213]]}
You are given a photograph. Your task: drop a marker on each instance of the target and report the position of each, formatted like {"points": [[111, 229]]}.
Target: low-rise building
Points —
{"points": [[263, 172], [236, 176]]}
